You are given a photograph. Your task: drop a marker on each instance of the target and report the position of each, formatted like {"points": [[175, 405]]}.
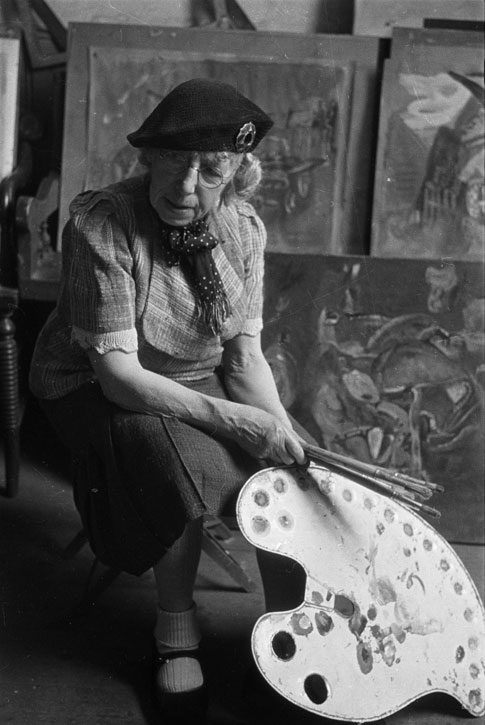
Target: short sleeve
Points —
{"points": [[253, 236], [98, 287]]}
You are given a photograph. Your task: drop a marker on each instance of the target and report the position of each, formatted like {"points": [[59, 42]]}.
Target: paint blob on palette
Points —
{"points": [[387, 602]]}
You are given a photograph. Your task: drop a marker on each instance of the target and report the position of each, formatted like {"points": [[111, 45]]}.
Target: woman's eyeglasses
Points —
{"points": [[176, 162]]}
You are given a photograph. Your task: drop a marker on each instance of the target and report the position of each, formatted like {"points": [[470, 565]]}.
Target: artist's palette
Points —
{"points": [[390, 612]]}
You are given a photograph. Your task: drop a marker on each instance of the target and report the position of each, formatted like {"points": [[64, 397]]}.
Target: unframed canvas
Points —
{"points": [[319, 89], [383, 360], [9, 89], [429, 180]]}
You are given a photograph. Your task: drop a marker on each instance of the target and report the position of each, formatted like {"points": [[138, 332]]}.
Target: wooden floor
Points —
{"points": [[62, 666]]}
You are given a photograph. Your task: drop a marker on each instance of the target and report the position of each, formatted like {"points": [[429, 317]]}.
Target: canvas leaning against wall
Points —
{"points": [[429, 183], [9, 88], [303, 156], [383, 360], [320, 90], [378, 17]]}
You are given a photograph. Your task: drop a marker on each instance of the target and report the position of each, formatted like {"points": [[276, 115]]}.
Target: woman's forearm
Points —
{"points": [[259, 431], [251, 381], [130, 386]]}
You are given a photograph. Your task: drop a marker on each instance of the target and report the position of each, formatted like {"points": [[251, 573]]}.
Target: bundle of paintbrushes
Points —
{"points": [[406, 489]]}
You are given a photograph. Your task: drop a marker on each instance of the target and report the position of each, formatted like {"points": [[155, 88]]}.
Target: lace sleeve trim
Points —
{"points": [[124, 340], [252, 327]]}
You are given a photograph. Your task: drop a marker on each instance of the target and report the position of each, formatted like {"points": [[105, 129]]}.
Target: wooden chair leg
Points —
{"points": [[216, 534], [75, 546], [96, 583], [213, 548], [9, 400]]}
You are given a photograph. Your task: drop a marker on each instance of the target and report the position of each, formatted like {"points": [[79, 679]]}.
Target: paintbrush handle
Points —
{"points": [[392, 488], [424, 509], [438, 487], [421, 487]]}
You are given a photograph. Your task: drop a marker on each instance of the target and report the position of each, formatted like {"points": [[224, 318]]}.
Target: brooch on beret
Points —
{"points": [[245, 137]]}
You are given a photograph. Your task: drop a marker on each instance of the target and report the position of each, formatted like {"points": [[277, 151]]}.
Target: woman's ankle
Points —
{"points": [[177, 630]]}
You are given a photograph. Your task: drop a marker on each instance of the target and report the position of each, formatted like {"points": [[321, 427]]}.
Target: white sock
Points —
{"points": [[175, 631]]}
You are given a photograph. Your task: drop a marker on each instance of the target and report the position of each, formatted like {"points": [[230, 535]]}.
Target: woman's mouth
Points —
{"points": [[176, 212], [178, 207]]}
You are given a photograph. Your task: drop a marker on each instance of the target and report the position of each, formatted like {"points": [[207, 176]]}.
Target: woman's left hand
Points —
{"points": [[265, 436]]}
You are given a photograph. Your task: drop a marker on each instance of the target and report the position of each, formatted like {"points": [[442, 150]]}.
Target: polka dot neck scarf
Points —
{"points": [[191, 247]]}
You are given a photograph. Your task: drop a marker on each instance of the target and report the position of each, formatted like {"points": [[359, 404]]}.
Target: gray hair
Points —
{"points": [[245, 181]]}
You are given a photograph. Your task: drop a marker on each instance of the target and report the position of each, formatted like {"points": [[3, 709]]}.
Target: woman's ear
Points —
{"points": [[228, 192], [146, 156]]}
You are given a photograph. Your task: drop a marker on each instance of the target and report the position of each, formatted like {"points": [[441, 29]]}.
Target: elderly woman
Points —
{"points": [[150, 367]]}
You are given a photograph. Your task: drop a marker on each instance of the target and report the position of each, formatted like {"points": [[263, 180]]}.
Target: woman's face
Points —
{"points": [[185, 185]]}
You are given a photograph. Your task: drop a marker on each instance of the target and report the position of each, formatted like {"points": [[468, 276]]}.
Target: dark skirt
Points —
{"points": [[139, 478]]}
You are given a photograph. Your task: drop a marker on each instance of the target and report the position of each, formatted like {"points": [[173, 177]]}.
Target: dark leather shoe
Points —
{"points": [[178, 708]]}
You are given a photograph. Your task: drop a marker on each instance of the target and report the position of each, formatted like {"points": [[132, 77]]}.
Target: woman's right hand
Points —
{"points": [[265, 436]]}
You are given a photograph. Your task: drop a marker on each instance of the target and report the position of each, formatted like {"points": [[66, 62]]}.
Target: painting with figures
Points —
{"points": [[320, 90], [303, 156], [429, 182]]}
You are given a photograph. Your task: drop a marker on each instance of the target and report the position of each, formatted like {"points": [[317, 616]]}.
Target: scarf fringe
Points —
{"points": [[215, 313]]}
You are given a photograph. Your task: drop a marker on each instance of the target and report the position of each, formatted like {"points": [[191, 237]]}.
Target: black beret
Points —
{"points": [[203, 115]]}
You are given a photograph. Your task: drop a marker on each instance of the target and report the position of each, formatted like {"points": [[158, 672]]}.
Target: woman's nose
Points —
{"points": [[189, 178]]}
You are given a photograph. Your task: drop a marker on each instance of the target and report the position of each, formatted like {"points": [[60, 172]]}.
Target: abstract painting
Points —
{"points": [[383, 360]]}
